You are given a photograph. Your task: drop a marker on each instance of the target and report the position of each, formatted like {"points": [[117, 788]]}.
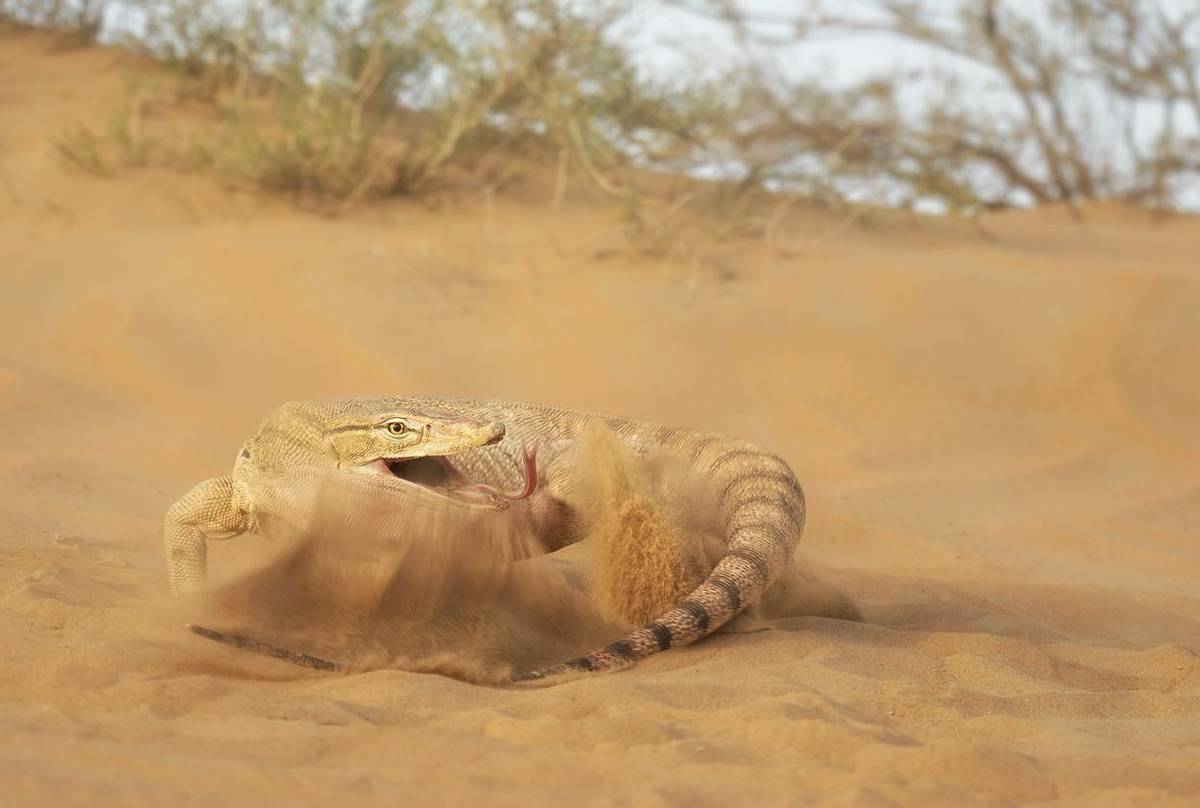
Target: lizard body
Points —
{"points": [[481, 454]]}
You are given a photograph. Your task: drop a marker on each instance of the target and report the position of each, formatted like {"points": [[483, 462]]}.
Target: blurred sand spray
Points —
{"points": [[471, 594]]}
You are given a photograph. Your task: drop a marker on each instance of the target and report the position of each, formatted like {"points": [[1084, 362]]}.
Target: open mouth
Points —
{"points": [[439, 475]]}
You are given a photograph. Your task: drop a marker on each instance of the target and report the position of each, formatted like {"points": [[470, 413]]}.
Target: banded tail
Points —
{"points": [[764, 513]]}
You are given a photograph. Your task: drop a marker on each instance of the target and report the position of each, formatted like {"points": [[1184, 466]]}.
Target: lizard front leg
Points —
{"points": [[211, 510]]}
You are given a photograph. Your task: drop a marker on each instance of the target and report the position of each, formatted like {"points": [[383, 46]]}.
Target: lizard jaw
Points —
{"points": [[438, 475]]}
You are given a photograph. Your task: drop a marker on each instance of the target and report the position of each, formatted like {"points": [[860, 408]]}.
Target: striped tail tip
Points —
{"points": [[601, 661]]}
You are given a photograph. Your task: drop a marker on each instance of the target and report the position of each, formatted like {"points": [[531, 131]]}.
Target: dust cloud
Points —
{"points": [[368, 580]]}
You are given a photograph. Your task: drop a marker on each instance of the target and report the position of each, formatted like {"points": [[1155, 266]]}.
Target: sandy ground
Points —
{"points": [[999, 438]]}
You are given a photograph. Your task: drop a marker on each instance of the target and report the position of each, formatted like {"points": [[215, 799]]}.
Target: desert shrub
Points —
{"points": [[76, 21], [1060, 102], [335, 101]]}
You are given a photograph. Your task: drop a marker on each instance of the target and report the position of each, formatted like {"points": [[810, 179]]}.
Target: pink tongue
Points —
{"points": [[380, 467], [531, 480]]}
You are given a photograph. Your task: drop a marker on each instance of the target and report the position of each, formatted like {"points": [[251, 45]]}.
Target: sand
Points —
{"points": [[998, 432]]}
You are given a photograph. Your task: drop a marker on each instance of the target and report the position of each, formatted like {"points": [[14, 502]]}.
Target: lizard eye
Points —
{"points": [[396, 427]]}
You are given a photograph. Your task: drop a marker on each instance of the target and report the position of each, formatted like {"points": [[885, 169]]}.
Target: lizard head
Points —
{"points": [[394, 439], [405, 448]]}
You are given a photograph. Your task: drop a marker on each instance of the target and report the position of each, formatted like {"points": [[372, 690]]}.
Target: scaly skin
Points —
{"points": [[488, 444]]}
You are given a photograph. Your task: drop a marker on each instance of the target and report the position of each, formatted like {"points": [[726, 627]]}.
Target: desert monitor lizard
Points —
{"points": [[487, 454]]}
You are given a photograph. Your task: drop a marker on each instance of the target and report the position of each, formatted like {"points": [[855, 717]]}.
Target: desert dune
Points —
{"points": [[997, 428]]}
